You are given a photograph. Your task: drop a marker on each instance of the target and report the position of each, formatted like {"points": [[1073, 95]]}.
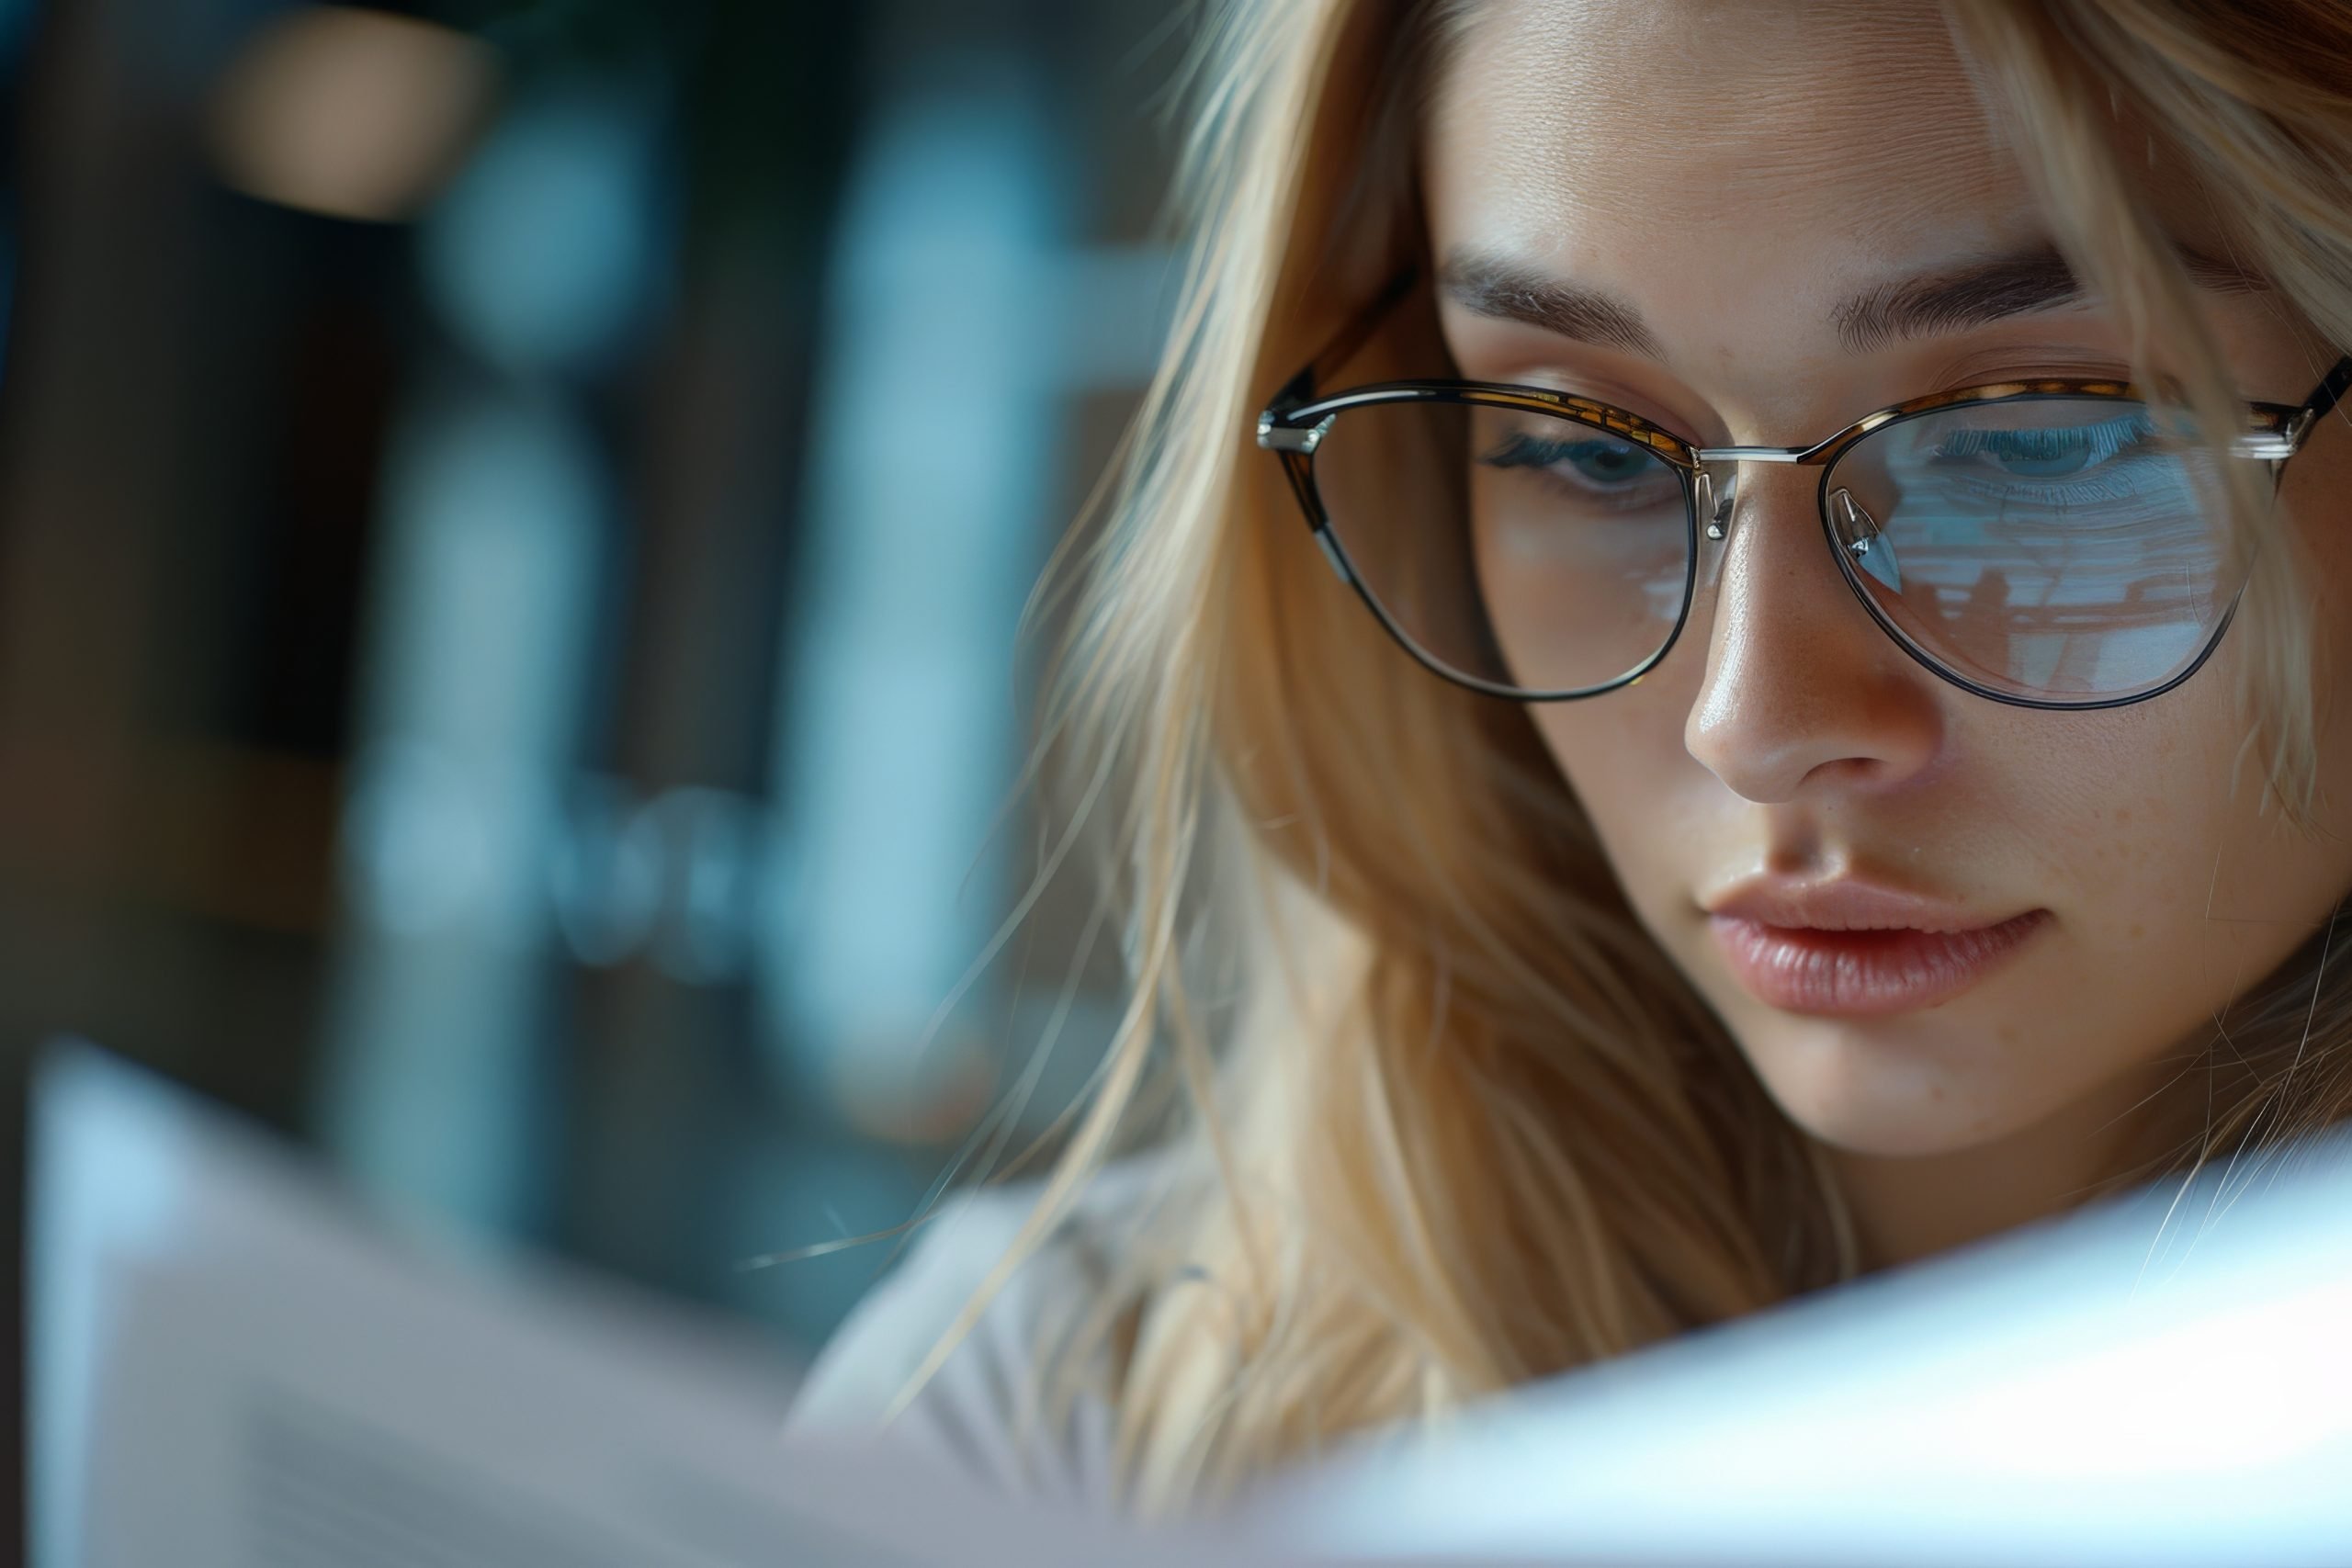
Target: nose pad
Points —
{"points": [[1860, 536], [1714, 505], [1715, 510]]}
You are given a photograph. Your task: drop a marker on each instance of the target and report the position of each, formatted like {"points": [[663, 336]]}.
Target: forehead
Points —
{"points": [[1618, 137]]}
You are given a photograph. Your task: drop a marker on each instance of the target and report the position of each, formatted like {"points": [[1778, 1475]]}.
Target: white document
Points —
{"points": [[231, 1369], [2163, 1380]]}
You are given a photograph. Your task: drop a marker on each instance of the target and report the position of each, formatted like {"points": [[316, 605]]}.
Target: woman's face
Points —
{"points": [[1718, 185]]}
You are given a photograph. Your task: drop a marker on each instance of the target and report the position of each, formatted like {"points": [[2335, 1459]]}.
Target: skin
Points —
{"points": [[1732, 171]]}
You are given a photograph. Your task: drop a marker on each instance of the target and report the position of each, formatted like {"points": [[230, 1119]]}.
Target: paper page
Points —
{"points": [[2165, 1380], [232, 1369]]}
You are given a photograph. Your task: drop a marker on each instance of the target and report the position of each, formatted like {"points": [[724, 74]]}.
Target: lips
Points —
{"points": [[1854, 948]]}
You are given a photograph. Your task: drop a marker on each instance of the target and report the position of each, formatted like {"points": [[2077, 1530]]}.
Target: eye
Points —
{"points": [[1598, 463], [2045, 452]]}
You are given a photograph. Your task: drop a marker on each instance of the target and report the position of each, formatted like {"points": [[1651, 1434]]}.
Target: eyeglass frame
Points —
{"points": [[1294, 424]]}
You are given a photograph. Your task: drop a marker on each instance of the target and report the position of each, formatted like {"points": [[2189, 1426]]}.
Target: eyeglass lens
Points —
{"points": [[2062, 549]]}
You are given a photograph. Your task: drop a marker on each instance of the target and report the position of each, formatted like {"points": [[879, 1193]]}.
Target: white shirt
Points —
{"points": [[981, 1411]]}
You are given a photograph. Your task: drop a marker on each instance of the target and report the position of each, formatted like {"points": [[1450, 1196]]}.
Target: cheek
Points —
{"points": [[2316, 480], [2121, 835], [1651, 802], [2185, 893], [2144, 831]]}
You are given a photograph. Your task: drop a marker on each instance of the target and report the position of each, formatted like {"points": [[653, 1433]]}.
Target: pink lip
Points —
{"points": [[1856, 949]]}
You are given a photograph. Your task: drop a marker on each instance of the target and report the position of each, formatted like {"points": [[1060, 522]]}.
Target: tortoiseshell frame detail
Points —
{"points": [[1293, 422]]}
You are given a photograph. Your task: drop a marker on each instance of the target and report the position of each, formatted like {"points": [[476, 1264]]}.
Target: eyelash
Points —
{"points": [[2104, 439], [1527, 452], [2101, 444]]}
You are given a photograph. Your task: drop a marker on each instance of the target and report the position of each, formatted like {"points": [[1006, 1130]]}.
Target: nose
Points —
{"points": [[1803, 692]]}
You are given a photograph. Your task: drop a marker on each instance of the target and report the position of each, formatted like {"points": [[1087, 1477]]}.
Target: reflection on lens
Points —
{"points": [[1518, 548], [2049, 548]]}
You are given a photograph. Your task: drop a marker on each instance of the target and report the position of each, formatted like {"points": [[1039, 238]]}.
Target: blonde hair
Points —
{"points": [[1446, 1118]]}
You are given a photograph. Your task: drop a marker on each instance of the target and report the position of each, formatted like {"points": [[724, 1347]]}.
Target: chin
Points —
{"points": [[1907, 1132], [1851, 1095]]}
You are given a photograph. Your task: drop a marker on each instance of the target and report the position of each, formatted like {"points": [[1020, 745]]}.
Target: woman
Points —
{"points": [[1789, 732]]}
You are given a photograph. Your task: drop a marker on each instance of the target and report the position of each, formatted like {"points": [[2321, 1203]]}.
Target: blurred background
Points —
{"points": [[513, 519]]}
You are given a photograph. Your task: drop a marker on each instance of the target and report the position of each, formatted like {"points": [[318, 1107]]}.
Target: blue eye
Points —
{"points": [[1596, 461], [2046, 451]]}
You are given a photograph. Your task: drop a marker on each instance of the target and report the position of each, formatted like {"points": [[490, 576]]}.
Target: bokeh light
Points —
{"points": [[350, 113]]}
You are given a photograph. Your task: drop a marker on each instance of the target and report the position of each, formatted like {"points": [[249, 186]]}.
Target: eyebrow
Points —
{"points": [[1958, 299], [1485, 283]]}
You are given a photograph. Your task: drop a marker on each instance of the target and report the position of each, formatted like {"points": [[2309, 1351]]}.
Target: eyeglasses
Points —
{"points": [[2050, 544]]}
